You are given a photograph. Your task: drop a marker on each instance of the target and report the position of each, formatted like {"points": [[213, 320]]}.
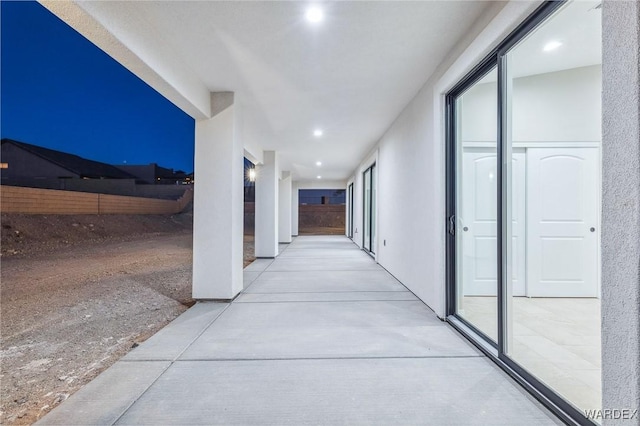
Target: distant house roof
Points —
{"points": [[73, 163]]}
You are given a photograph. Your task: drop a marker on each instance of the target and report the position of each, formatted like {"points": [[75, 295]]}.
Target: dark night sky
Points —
{"points": [[62, 92]]}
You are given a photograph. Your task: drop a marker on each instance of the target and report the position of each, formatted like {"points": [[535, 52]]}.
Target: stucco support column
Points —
{"points": [[294, 208], [267, 188], [621, 208], [218, 203], [284, 208]]}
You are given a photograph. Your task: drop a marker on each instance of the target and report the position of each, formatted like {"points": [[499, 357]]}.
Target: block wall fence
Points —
{"points": [[323, 215], [329, 215], [14, 199]]}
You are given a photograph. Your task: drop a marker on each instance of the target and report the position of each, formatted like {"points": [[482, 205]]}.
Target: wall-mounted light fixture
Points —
{"points": [[252, 175]]}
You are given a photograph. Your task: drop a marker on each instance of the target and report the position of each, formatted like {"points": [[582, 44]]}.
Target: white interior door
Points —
{"points": [[478, 222], [562, 197]]}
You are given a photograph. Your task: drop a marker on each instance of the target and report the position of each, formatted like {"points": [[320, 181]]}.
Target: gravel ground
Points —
{"points": [[66, 317], [74, 301]]}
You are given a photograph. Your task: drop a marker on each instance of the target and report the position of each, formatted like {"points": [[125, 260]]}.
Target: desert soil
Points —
{"points": [[78, 292]]}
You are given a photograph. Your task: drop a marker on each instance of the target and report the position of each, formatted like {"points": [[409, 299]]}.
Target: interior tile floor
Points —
{"points": [[321, 335], [556, 339]]}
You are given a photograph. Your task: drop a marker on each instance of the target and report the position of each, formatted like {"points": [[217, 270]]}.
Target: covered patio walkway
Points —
{"points": [[320, 335]]}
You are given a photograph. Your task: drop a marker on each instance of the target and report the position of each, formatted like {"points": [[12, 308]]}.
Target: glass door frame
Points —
{"points": [[350, 210], [476, 74], [370, 171], [497, 352]]}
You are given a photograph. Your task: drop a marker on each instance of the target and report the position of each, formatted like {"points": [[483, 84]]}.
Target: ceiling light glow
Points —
{"points": [[318, 163], [552, 45], [314, 14], [317, 133], [319, 177]]}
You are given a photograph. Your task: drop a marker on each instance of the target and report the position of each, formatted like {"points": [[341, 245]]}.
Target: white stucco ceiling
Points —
{"points": [[350, 75]]}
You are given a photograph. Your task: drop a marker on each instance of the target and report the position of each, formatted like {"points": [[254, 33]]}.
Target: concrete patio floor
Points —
{"points": [[320, 335]]}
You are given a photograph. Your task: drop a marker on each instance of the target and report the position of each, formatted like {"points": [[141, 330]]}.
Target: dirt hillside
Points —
{"points": [[77, 293], [24, 235]]}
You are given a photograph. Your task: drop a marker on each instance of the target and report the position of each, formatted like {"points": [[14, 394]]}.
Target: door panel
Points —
{"points": [[369, 205], [372, 225], [563, 240], [473, 220], [366, 226], [478, 222], [350, 211]]}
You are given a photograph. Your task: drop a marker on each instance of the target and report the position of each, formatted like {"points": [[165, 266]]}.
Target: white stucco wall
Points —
{"points": [[267, 204], [409, 222], [217, 227], [284, 208], [621, 209], [295, 194]]}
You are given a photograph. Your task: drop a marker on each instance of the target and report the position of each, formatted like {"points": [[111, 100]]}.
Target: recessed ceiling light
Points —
{"points": [[318, 163], [319, 177], [317, 133], [552, 45], [314, 14]]}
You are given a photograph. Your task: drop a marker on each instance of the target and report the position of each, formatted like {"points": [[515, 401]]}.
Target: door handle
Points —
{"points": [[452, 225], [592, 229]]}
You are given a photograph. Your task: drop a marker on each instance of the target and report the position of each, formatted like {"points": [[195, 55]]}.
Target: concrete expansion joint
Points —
{"points": [[338, 358], [124, 412], [219, 300], [329, 301], [203, 330]]}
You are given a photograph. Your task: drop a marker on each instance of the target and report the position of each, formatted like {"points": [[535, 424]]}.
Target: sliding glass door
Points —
{"points": [[523, 206], [369, 205], [474, 226], [552, 80]]}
